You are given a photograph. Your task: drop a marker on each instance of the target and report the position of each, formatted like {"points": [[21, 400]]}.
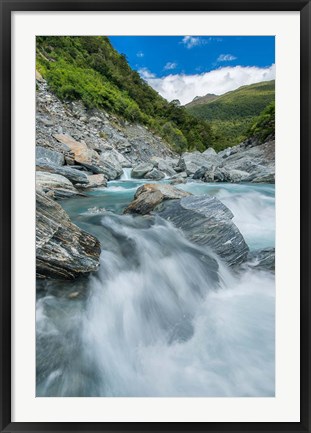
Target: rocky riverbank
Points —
{"points": [[78, 149]]}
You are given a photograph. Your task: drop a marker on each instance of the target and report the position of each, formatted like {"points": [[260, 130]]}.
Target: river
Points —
{"points": [[156, 320]]}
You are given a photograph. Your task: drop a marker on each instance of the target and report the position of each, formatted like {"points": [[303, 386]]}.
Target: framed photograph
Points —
{"points": [[155, 216]]}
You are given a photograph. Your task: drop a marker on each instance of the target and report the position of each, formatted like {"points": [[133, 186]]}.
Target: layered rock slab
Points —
{"points": [[205, 220], [63, 250]]}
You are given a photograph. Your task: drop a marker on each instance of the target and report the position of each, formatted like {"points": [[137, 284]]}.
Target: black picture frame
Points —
{"points": [[7, 7]]}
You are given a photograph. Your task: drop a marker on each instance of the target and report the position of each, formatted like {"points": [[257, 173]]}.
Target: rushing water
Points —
{"points": [[162, 317]]}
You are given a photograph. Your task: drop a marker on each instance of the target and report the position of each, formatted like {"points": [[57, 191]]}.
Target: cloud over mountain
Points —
{"points": [[219, 81]]}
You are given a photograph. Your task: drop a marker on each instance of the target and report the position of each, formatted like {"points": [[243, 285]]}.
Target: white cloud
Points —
{"points": [[192, 41], [218, 81], [170, 66], [226, 58], [140, 54], [146, 74]]}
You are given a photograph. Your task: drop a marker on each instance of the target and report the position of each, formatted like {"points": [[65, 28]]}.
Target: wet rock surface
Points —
{"points": [[58, 186], [204, 220], [63, 250]]}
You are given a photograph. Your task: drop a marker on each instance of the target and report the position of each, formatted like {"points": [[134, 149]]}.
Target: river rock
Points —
{"points": [[268, 177], [182, 174], [191, 162], [177, 180], [59, 185], [96, 180], [48, 156], [141, 169], [154, 174], [205, 220], [63, 250], [116, 159], [263, 259], [75, 176], [148, 196], [166, 166], [236, 176]]}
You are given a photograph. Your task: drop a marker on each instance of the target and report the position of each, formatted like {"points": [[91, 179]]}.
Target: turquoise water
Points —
{"points": [[253, 205], [162, 317]]}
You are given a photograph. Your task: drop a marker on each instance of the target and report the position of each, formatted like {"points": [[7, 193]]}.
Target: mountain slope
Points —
{"points": [[89, 69], [201, 100], [232, 114]]}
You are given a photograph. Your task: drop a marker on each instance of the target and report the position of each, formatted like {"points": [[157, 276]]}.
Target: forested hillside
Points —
{"points": [[90, 69], [233, 114]]}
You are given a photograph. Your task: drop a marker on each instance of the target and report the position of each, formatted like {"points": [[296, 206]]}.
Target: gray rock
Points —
{"points": [[199, 174], [210, 152], [263, 259], [63, 250], [225, 153], [236, 176], [140, 170], [154, 174], [109, 169], [221, 175], [116, 159], [191, 162], [59, 185], [166, 167], [256, 160], [264, 178], [44, 155], [75, 176], [204, 220]]}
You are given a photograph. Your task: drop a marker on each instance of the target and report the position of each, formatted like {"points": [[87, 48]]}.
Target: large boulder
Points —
{"points": [[190, 162], [89, 158], [63, 250], [96, 180], [115, 158], [140, 170], [154, 174], [58, 185], [205, 220], [148, 196], [75, 176], [166, 166], [111, 170]]}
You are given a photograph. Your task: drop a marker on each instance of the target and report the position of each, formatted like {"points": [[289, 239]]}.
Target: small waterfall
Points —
{"points": [[126, 174]]}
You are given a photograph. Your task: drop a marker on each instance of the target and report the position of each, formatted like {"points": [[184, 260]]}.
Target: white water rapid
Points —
{"points": [[162, 317]]}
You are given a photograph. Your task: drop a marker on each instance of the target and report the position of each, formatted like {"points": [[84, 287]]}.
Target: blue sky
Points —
{"points": [[182, 67]]}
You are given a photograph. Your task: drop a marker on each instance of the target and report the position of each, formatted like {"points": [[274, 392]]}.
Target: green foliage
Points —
{"points": [[88, 68], [264, 125], [174, 136], [231, 115]]}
